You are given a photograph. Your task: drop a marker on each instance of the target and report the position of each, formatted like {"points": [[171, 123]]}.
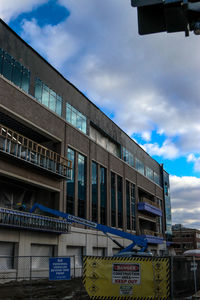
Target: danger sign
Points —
{"points": [[123, 273]]}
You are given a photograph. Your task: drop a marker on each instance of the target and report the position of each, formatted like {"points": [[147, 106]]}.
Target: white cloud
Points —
{"points": [[196, 160], [168, 150], [60, 44], [185, 200], [10, 9]]}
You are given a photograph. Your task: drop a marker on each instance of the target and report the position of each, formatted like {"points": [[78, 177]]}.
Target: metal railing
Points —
{"points": [[25, 220], [146, 200], [23, 148]]}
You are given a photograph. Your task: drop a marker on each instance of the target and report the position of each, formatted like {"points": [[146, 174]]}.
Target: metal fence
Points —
{"points": [[184, 271], [32, 267]]}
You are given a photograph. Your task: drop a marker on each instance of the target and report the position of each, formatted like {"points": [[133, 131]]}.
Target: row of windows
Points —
{"points": [[99, 193], [48, 97], [19, 75], [104, 141], [140, 167], [14, 71]]}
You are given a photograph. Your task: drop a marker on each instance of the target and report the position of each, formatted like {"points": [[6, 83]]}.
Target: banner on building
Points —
{"points": [[127, 278]]}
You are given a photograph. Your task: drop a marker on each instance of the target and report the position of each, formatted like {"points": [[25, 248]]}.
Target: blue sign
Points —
{"points": [[59, 268]]}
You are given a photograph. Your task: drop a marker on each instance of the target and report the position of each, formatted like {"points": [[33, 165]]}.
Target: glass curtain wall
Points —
{"points": [[81, 186], [113, 200], [94, 192], [132, 200], [128, 205], [103, 195], [120, 201], [71, 184]]}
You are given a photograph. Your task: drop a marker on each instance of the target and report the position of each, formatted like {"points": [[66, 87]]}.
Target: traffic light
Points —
{"points": [[170, 15]]}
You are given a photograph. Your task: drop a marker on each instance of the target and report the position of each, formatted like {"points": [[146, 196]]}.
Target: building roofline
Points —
{"points": [[46, 61]]}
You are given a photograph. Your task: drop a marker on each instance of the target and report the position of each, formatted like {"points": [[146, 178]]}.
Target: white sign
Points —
{"points": [[126, 273]]}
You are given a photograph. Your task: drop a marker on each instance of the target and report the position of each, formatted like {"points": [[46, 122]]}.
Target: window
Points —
{"points": [[94, 192], [40, 255], [128, 205], [139, 166], [6, 256], [120, 201], [74, 117], [70, 184], [156, 178], [14, 71], [81, 186], [113, 199], [103, 195], [149, 173], [127, 157], [99, 251], [132, 196], [48, 97], [104, 141], [76, 254]]}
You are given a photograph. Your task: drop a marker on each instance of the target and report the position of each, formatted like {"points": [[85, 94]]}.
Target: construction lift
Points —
{"points": [[168, 15], [137, 247]]}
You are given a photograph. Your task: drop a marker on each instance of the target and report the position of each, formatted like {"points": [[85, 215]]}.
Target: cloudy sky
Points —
{"points": [[149, 85]]}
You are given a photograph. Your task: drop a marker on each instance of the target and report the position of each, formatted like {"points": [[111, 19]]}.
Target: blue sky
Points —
{"points": [[148, 85]]}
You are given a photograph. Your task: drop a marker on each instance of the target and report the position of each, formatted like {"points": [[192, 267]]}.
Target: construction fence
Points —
{"points": [[183, 274]]}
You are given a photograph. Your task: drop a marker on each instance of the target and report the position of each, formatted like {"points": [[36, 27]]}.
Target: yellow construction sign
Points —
{"points": [[127, 278]]}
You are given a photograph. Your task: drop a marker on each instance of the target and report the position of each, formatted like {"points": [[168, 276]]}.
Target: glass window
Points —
{"points": [[120, 201], [104, 141], [6, 255], [128, 205], [94, 192], [103, 195], [139, 166], [156, 178], [132, 196], [113, 199], [127, 157], [14, 71], [17, 73], [40, 255], [81, 186], [70, 184], [48, 97], [74, 117], [149, 173]]}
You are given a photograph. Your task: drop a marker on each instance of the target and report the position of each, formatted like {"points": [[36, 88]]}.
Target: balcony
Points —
{"points": [[17, 146], [150, 207], [152, 237], [24, 220]]}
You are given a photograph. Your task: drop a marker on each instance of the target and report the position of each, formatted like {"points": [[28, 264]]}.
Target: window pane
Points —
{"points": [[81, 186], [113, 200], [103, 195], [45, 96], [25, 80], [94, 192], [38, 90], [74, 117], [59, 106], [120, 201], [1, 60], [70, 184], [17, 74], [52, 103], [7, 66]]}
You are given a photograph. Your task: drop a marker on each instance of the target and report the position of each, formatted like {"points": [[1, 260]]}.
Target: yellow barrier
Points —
{"points": [[127, 278]]}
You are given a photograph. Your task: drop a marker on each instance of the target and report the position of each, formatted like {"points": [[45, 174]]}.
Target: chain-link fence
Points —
{"points": [[184, 271], [33, 267]]}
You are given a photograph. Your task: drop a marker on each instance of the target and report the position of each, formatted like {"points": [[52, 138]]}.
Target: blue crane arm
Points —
{"points": [[136, 240]]}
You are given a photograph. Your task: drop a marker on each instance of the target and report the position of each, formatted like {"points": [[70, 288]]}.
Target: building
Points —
{"points": [[184, 239], [47, 126]]}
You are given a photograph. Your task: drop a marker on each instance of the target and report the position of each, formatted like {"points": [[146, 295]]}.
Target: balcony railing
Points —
{"points": [[152, 236], [25, 220], [23, 148], [146, 200], [143, 206]]}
